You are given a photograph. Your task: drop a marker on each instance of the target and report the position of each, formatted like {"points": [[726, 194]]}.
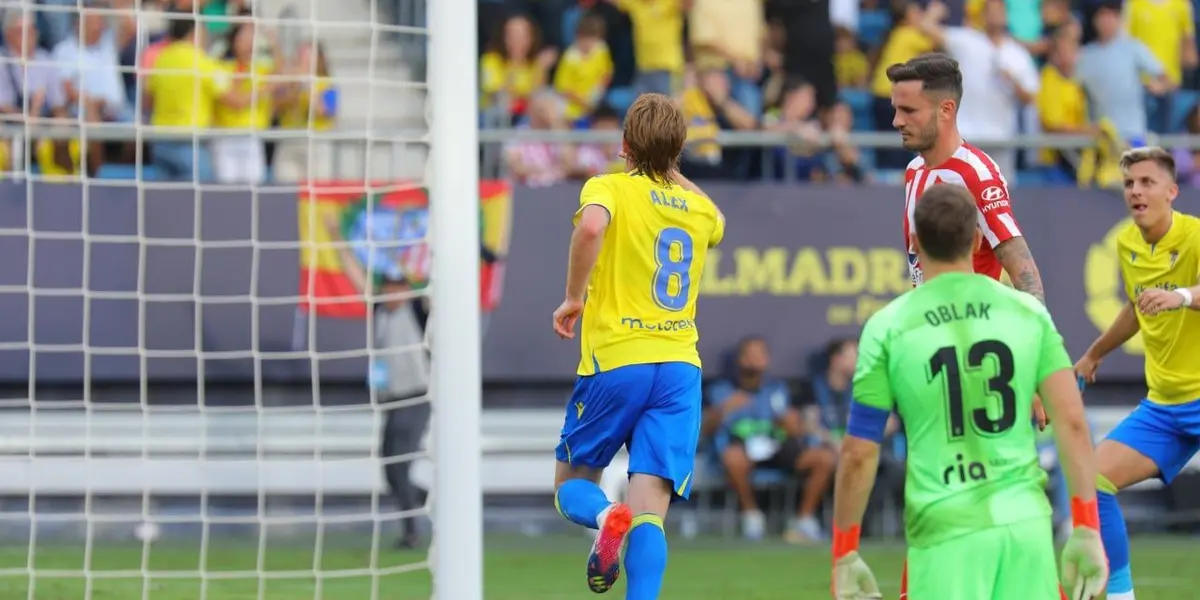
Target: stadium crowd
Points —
{"points": [[165, 67], [1117, 71]]}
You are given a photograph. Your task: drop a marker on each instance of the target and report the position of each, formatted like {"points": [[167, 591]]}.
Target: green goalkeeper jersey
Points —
{"points": [[960, 359]]}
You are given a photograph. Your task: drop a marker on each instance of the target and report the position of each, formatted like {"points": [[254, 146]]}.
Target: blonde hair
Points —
{"points": [[654, 134], [1154, 154]]}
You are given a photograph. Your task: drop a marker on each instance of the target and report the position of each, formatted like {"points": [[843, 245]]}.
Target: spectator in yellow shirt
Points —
{"points": [[1168, 29], [906, 41], [585, 70], [657, 43], [727, 41], [183, 90], [242, 158], [513, 68], [1061, 102], [849, 62]]}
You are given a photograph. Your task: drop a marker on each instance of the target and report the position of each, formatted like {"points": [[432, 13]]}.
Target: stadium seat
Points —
{"points": [[1181, 107], [872, 26], [620, 98], [860, 104], [119, 171], [570, 20]]}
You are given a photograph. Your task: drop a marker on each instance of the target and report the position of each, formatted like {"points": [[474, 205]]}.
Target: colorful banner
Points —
{"points": [[383, 227], [174, 284]]}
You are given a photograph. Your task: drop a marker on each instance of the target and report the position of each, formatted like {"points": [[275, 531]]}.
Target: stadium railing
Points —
{"points": [[398, 153], [745, 139]]}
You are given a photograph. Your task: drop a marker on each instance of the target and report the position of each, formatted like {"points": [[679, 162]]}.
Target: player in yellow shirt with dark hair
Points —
{"points": [[184, 89], [1159, 256], [636, 258]]}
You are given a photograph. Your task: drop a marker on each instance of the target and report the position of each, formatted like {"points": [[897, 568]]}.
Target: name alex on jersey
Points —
{"points": [[973, 169]]}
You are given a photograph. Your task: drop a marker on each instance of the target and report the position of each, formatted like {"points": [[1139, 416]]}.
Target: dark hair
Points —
{"points": [[654, 134], [591, 25], [745, 342], [837, 345], [496, 43], [233, 32], [180, 26], [937, 73], [604, 111], [945, 221]]}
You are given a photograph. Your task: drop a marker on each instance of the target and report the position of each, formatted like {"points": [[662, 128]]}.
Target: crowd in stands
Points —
{"points": [[187, 65], [1114, 70]]}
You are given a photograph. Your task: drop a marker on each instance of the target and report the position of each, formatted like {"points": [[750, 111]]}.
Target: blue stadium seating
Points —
{"points": [[860, 103], [872, 25], [620, 98], [114, 171], [570, 20]]}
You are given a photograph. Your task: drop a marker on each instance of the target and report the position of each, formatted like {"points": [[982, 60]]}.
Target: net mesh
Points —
{"points": [[196, 396]]}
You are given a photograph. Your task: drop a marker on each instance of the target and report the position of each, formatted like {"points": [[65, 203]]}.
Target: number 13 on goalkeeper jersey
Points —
{"points": [[639, 370]]}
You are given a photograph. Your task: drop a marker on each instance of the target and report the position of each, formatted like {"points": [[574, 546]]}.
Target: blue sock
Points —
{"points": [[645, 557], [580, 501], [1115, 536]]}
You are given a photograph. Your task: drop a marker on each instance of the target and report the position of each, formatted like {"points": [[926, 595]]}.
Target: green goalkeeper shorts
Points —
{"points": [[1008, 562]]}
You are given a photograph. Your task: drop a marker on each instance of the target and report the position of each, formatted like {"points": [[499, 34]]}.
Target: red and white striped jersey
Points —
{"points": [[973, 169]]}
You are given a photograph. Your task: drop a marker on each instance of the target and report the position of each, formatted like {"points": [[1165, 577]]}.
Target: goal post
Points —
{"points": [[457, 553]]}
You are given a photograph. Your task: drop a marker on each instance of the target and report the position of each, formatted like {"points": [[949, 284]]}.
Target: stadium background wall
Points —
{"points": [[799, 263]]}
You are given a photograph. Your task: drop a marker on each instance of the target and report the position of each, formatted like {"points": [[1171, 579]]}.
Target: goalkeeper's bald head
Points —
{"points": [[654, 134]]}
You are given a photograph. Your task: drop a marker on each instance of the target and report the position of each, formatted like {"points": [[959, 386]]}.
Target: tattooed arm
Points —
{"points": [[1018, 262]]}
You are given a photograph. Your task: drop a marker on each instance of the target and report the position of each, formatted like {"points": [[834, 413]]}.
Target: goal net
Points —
{"points": [[217, 284]]}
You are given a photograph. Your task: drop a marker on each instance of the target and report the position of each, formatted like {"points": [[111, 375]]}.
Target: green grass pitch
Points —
{"points": [[516, 569]]}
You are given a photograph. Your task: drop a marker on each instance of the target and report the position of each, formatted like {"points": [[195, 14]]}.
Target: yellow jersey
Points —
{"points": [[657, 33], [584, 77], [641, 299], [1162, 25], [497, 75], [903, 44], [185, 84], [1172, 338], [1061, 103], [296, 114], [262, 106]]}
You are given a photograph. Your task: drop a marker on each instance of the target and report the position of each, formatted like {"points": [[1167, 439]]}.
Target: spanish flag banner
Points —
{"points": [[384, 228]]}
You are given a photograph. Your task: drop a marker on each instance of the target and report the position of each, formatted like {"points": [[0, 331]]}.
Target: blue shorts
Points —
{"points": [[1168, 434], [654, 409]]}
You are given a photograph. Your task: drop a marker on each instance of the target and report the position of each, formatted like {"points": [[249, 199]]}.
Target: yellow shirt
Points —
{"points": [[702, 126], [1061, 103], [851, 68], [296, 115], [1172, 338], [657, 33], [583, 76], [262, 106], [905, 43], [496, 75], [1162, 25], [737, 27], [185, 84], [641, 299]]}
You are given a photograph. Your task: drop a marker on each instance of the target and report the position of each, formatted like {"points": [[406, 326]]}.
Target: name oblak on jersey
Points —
{"points": [[948, 313]]}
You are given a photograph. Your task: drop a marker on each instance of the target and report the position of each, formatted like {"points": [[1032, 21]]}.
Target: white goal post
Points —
{"points": [[457, 555]]}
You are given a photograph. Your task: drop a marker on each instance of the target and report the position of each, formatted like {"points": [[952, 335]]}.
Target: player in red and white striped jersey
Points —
{"points": [[926, 92]]}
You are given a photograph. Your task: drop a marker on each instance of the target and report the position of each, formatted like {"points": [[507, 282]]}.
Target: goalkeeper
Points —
{"points": [[638, 252], [960, 359]]}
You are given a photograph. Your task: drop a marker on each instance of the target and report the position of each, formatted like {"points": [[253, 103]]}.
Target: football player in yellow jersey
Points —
{"points": [[636, 257], [1160, 262]]}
